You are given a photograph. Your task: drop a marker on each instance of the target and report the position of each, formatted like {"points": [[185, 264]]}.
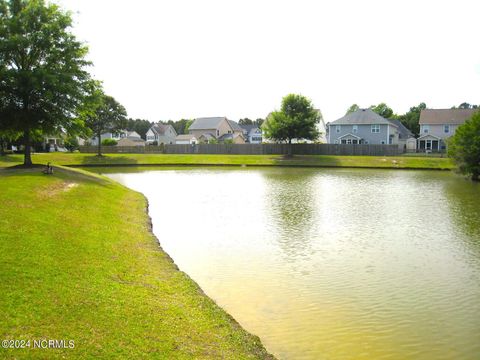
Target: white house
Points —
{"points": [[161, 134], [115, 136]]}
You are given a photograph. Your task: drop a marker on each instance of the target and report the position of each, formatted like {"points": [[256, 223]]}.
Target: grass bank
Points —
{"points": [[78, 262], [78, 159]]}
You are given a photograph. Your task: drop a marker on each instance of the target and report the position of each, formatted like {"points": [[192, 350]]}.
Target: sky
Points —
{"points": [[173, 59]]}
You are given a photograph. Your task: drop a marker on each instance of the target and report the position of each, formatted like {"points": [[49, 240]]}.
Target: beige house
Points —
{"points": [[218, 128], [131, 141], [437, 125], [185, 139], [161, 134]]}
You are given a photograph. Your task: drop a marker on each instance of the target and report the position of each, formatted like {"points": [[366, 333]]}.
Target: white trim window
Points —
{"points": [[446, 129], [355, 129], [338, 128], [375, 128], [425, 129]]}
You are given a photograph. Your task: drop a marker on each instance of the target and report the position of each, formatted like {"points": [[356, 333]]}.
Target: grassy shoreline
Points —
{"points": [[79, 262], [383, 162]]}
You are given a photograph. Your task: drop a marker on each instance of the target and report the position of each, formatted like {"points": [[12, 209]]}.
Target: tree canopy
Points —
{"points": [[104, 114], [411, 118], [352, 108], [297, 119], [383, 110], [464, 147], [42, 69]]}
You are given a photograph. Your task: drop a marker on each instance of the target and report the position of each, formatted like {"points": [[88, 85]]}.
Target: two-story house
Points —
{"points": [[161, 134], [118, 135], [219, 129], [437, 125], [252, 134], [363, 126]]}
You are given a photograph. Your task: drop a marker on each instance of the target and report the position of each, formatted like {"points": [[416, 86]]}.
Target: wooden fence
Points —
{"points": [[253, 149]]}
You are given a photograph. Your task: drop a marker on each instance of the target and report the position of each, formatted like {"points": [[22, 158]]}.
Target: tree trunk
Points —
{"points": [[99, 152], [27, 160], [290, 152], [2, 147]]}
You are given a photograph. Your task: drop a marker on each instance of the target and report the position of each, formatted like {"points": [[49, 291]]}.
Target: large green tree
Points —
{"points": [[411, 118], [352, 108], [42, 69], [383, 110], [104, 114], [464, 147], [297, 119], [140, 126]]}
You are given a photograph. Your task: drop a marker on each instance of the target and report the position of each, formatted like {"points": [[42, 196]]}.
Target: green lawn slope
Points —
{"points": [[78, 262], [395, 162]]}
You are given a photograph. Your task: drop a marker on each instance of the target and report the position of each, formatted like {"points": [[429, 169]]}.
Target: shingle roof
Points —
{"points": [[403, 131], [206, 123], [235, 126], [248, 128], [160, 128], [445, 116], [185, 137], [361, 117]]}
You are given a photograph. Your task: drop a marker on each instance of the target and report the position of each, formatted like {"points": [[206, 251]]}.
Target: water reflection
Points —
{"points": [[350, 264], [291, 205]]}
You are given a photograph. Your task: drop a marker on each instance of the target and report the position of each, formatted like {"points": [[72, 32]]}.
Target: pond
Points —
{"points": [[328, 263]]}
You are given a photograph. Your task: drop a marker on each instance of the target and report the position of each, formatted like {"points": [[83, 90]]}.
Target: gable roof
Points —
{"points": [[234, 125], [160, 129], [249, 128], [206, 123], [445, 116], [185, 137], [362, 117], [403, 131]]}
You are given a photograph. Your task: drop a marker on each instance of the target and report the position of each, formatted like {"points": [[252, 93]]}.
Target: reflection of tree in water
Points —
{"points": [[464, 200], [291, 207]]}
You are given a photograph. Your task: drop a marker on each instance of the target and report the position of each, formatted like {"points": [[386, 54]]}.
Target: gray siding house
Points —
{"points": [[437, 125], [363, 127], [161, 134]]}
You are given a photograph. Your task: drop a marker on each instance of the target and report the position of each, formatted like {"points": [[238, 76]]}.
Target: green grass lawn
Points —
{"points": [[78, 262], [409, 162]]}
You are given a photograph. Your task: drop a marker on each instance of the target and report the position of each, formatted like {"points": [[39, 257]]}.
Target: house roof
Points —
{"points": [[208, 136], [445, 116], [229, 136], [249, 128], [235, 126], [160, 129], [185, 137], [403, 131], [206, 123], [362, 117], [133, 134]]}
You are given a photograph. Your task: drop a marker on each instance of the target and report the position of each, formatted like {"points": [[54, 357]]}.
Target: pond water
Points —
{"points": [[328, 264]]}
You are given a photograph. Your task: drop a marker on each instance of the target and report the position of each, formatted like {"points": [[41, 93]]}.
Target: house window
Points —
{"points": [[446, 129], [375, 129], [349, 141], [218, 132], [344, 141], [383, 142], [338, 128], [426, 129], [355, 128]]}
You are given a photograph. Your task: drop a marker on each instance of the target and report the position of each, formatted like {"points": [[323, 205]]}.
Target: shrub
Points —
{"points": [[464, 147], [109, 142]]}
